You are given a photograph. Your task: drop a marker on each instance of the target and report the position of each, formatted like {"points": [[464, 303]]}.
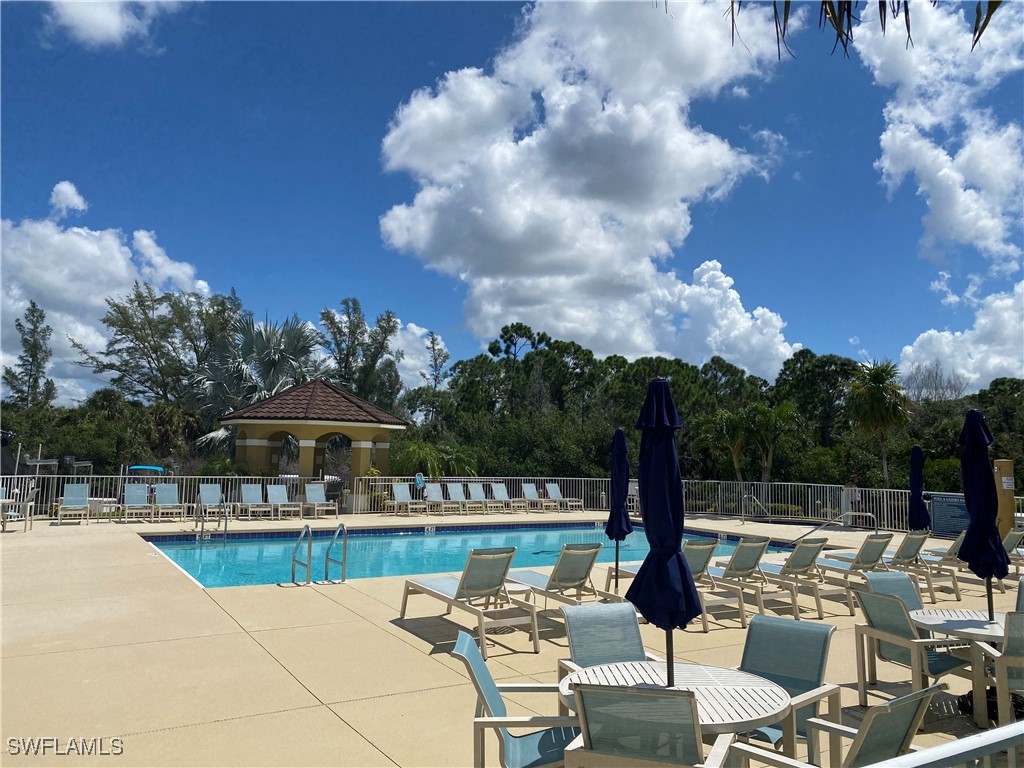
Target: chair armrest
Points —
{"points": [[527, 721], [814, 695], [746, 751], [829, 727], [987, 649], [528, 687], [567, 667], [719, 753], [522, 604], [610, 597]]}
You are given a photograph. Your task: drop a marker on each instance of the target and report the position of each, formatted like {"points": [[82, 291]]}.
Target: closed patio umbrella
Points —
{"points": [[618, 525], [982, 548], [918, 518], [663, 590]]}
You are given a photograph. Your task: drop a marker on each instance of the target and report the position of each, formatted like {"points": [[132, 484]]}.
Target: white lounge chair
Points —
{"points": [[401, 501], [457, 496], [277, 495], [136, 501], [316, 500], [500, 493], [252, 503], [75, 502], [569, 581], [167, 503], [535, 502], [555, 493]]}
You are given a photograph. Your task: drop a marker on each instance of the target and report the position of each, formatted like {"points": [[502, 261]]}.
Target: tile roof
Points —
{"points": [[316, 400]]}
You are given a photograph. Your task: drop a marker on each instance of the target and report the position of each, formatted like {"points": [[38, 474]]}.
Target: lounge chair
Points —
{"points": [[500, 494], [742, 572], [799, 570], [907, 557], [698, 557], [401, 500], [633, 498], [277, 495], [75, 502], [569, 580], [885, 733], [534, 500], [436, 502], [212, 504], [1007, 663], [891, 636], [136, 501], [544, 747], [868, 558], [555, 494], [14, 510], [1011, 541], [792, 654], [481, 592], [949, 555], [640, 727], [252, 503], [457, 496], [316, 500], [166, 502], [478, 495]]}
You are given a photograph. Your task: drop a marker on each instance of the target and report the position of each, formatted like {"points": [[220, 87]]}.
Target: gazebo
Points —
{"points": [[314, 413]]}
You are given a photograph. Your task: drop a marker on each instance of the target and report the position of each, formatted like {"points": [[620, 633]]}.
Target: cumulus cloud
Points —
{"points": [[558, 186], [97, 24], [994, 347], [64, 198], [411, 339], [69, 272], [967, 165]]}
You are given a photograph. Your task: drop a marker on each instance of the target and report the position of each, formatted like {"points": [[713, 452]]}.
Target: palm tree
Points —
{"points": [[878, 404], [767, 426], [253, 362], [723, 429]]}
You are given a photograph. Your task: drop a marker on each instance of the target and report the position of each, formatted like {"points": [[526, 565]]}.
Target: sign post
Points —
{"points": [[1004, 493]]}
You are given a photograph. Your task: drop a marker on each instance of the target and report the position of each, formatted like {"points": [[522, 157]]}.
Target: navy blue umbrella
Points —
{"points": [[982, 548], [918, 518], [663, 590], [618, 525]]}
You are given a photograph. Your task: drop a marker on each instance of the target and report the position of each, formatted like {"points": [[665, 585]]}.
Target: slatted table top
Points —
{"points": [[728, 700], [960, 622]]}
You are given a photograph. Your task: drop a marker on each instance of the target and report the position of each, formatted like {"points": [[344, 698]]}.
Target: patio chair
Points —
{"points": [[555, 493], [907, 557], [316, 500], [478, 495], [569, 580], [252, 503], [949, 555], [890, 635], [799, 570], [1011, 541], [742, 572], [401, 500], [536, 749], [500, 494], [277, 495], [897, 584], [792, 654], [633, 498], [457, 496], [481, 592], [211, 503], [868, 558], [15, 509], [885, 733], [166, 502], [534, 500], [75, 502], [436, 502], [1007, 664], [136, 501], [640, 727]]}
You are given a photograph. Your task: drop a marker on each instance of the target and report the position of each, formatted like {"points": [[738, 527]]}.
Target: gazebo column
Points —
{"points": [[361, 450], [252, 453], [381, 456], [308, 451]]}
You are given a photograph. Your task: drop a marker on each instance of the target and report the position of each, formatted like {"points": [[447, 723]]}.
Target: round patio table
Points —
{"points": [[960, 622], [728, 700]]}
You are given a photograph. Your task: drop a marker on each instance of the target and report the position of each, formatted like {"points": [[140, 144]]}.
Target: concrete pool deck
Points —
{"points": [[103, 637]]}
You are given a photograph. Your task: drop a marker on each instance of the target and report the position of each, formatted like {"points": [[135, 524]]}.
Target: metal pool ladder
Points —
{"points": [[307, 535], [343, 531]]}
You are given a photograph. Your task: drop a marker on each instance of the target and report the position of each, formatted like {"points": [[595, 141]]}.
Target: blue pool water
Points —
{"points": [[241, 562]]}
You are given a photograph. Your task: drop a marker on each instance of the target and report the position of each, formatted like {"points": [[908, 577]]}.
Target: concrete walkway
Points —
{"points": [[104, 638]]}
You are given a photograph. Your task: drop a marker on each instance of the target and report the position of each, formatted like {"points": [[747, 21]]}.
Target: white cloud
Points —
{"points": [[994, 347], [967, 165], [411, 339], [96, 24], [558, 186], [64, 198], [854, 340], [69, 272]]}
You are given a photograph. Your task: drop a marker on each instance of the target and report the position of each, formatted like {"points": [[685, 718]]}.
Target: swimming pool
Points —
{"points": [[241, 562]]}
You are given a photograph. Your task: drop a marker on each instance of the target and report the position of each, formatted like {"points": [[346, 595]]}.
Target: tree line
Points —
{"points": [[530, 405]]}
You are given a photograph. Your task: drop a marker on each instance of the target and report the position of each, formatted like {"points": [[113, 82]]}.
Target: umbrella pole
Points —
{"points": [[616, 566], [988, 595], [671, 661]]}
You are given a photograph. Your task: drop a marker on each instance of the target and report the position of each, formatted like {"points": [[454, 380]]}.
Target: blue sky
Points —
{"points": [[606, 173]]}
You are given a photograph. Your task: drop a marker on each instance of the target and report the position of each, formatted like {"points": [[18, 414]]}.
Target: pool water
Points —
{"points": [[241, 562]]}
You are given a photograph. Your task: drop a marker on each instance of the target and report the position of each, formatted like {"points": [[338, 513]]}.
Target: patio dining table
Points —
{"points": [[969, 625], [728, 700]]}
